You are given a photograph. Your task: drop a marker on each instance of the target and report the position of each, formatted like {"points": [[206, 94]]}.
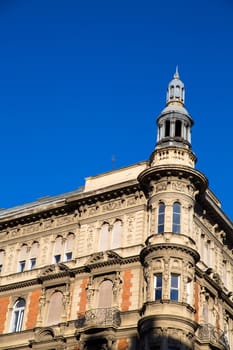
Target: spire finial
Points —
{"points": [[176, 75]]}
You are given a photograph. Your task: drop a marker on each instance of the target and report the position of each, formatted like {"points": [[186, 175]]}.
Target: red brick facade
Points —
{"points": [[126, 292], [4, 302], [33, 309]]}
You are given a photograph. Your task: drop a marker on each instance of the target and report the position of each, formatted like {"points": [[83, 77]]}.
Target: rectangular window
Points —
{"points": [[175, 286], [32, 263], [17, 321], [161, 216], [158, 282], [21, 266], [68, 256], [57, 258]]}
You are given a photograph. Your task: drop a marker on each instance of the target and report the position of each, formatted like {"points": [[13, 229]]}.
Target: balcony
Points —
{"points": [[99, 318], [208, 333]]}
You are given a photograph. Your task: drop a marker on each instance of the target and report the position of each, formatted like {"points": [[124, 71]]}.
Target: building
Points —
{"points": [[140, 258]]}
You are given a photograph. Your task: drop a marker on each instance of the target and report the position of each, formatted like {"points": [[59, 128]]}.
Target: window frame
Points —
{"points": [[158, 289], [55, 260], [17, 317], [176, 216], [161, 216], [173, 289], [32, 263], [21, 265]]}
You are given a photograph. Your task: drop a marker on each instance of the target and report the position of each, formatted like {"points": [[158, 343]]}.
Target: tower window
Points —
{"points": [[176, 218], [158, 282], [161, 215], [175, 286], [178, 128], [167, 128]]}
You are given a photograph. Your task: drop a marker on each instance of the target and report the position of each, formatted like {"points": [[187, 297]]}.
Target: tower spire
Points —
{"points": [[175, 90], [174, 128], [176, 75]]}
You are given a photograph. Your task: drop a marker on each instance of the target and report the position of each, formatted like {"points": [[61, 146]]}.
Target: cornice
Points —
{"points": [[70, 204], [165, 246], [157, 172], [61, 271]]}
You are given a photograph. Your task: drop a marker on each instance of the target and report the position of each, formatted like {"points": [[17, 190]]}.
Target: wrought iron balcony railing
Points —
{"points": [[102, 317], [207, 332]]}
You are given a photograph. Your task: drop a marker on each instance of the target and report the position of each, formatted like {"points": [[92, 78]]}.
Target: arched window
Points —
{"points": [[2, 254], [178, 128], [177, 93], [116, 234], [57, 251], [33, 255], [104, 237], [17, 315], [161, 217], [105, 294], [176, 217], [55, 308], [171, 91], [69, 247], [22, 258]]}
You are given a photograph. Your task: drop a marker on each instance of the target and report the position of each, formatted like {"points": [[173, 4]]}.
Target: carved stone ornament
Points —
{"points": [[102, 257]]}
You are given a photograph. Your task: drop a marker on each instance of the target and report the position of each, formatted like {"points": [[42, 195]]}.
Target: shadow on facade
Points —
{"points": [[149, 335]]}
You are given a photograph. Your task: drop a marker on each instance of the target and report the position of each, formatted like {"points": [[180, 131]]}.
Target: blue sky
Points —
{"points": [[81, 81]]}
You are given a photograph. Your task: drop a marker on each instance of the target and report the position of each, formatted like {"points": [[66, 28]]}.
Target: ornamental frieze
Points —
{"points": [[37, 227]]}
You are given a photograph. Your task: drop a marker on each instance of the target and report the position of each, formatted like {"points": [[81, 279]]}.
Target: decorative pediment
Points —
{"points": [[59, 269], [104, 258]]}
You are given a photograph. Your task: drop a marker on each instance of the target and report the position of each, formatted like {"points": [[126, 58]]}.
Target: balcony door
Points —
{"points": [[105, 299], [105, 294]]}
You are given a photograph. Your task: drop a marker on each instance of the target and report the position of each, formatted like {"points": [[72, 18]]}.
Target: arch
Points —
{"points": [[46, 334], [33, 255], [69, 247], [172, 91], [105, 296], [57, 250], [104, 237], [161, 217], [55, 308], [17, 315], [23, 254], [116, 234], [176, 217], [177, 92]]}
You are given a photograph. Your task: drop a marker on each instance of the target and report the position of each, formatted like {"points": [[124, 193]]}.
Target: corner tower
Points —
{"points": [[169, 257]]}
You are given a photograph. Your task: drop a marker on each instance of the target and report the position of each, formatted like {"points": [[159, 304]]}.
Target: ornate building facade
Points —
{"points": [[138, 259]]}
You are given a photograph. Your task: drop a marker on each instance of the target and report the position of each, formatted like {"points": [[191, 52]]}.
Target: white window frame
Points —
{"points": [[32, 263], [22, 265], [17, 317]]}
